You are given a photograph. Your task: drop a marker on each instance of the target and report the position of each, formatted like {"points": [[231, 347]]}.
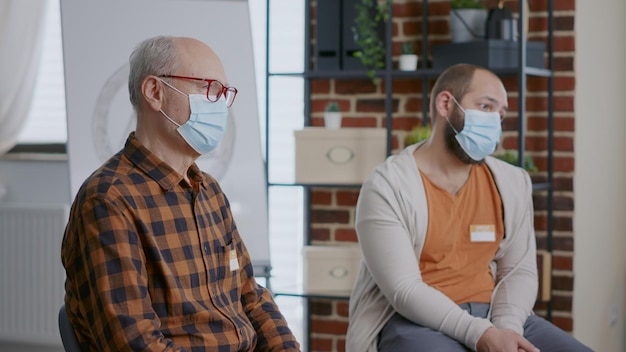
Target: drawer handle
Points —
{"points": [[340, 155], [338, 272]]}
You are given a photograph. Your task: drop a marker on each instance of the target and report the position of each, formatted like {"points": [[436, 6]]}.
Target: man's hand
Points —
{"points": [[503, 340]]}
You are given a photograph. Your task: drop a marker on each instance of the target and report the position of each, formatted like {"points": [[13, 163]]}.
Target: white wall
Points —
{"points": [[600, 174]]}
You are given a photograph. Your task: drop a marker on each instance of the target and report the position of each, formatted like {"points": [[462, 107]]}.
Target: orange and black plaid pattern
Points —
{"points": [[149, 264]]}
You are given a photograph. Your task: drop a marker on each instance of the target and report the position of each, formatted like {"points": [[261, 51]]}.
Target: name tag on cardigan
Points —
{"points": [[482, 233]]}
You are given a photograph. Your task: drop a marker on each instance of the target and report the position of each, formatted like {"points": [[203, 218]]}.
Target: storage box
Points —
{"points": [[330, 268], [489, 53], [341, 156]]}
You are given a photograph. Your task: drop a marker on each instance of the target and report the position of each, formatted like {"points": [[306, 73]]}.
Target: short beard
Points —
{"points": [[450, 137]]}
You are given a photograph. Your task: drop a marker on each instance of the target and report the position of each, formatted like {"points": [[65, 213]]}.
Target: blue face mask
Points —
{"points": [[207, 122], [481, 132]]}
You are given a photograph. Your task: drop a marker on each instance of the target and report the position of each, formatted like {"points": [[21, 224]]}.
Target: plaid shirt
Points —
{"points": [[156, 264]]}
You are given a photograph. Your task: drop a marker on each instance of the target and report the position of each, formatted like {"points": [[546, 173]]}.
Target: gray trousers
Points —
{"points": [[402, 335]]}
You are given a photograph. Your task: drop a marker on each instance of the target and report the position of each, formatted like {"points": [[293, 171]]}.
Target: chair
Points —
{"points": [[70, 343]]}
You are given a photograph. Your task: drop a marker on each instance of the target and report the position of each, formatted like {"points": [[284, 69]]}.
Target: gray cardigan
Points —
{"points": [[391, 223]]}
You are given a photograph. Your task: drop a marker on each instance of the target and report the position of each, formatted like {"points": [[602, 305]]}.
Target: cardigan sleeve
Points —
{"points": [[516, 276]]}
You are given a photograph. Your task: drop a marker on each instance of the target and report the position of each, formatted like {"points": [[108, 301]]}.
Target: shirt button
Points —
{"points": [[206, 248]]}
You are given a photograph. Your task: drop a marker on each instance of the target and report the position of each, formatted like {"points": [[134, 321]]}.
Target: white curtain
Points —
{"points": [[21, 33]]}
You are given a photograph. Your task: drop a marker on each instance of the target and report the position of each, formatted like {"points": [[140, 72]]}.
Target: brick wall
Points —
{"points": [[362, 103]]}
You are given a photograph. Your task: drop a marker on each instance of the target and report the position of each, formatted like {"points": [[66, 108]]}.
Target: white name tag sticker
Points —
{"points": [[483, 233], [234, 263]]}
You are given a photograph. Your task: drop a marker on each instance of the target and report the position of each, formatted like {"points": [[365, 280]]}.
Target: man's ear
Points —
{"points": [[444, 103], [152, 91]]}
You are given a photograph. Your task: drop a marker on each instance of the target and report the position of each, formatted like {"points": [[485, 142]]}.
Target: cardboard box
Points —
{"points": [[340, 156], [489, 53], [330, 268]]}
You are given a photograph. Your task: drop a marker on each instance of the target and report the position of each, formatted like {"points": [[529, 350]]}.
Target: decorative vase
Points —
{"points": [[332, 120], [407, 62], [467, 25]]}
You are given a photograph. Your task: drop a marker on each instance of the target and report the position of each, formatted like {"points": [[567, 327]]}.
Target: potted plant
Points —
{"points": [[332, 116], [417, 134], [408, 59], [511, 157], [368, 33], [468, 20]]}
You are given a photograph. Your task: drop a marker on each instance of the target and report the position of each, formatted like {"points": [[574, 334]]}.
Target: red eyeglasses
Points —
{"points": [[214, 89]]}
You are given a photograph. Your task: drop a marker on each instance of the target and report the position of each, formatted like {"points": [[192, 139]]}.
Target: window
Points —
{"points": [[46, 121], [286, 108]]}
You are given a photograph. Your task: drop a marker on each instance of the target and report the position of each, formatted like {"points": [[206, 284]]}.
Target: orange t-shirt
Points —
{"points": [[464, 232]]}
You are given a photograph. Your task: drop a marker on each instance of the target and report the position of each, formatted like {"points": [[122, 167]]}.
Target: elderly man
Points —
{"points": [[153, 257]]}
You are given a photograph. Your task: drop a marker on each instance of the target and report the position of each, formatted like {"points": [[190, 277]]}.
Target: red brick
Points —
{"points": [[359, 122], [347, 197], [405, 123], [330, 216], [354, 86], [564, 124], [318, 307], [562, 263], [321, 197], [536, 84], [563, 184], [370, 105], [563, 164], [540, 222], [406, 86], [563, 243], [329, 326], [319, 105], [341, 345], [564, 23], [563, 203], [564, 223], [320, 86], [438, 9], [564, 144], [318, 234], [565, 324], [561, 302], [564, 5], [318, 121], [565, 43], [321, 344], [342, 309], [563, 64], [562, 283], [345, 235], [409, 9]]}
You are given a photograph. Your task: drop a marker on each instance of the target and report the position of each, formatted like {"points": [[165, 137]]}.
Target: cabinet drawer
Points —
{"points": [[341, 156]]}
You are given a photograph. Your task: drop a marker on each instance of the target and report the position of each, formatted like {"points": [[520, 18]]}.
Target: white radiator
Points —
{"points": [[31, 274]]}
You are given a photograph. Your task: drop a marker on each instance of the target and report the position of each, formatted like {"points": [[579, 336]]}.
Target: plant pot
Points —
{"points": [[407, 62], [332, 120], [467, 25]]}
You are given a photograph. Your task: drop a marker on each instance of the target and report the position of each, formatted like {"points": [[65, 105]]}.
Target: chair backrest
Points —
{"points": [[70, 343]]}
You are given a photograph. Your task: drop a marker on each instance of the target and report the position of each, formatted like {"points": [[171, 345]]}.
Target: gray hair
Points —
{"points": [[154, 56]]}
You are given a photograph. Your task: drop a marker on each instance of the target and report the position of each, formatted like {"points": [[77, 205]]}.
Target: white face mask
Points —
{"points": [[207, 122], [481, 132]]}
